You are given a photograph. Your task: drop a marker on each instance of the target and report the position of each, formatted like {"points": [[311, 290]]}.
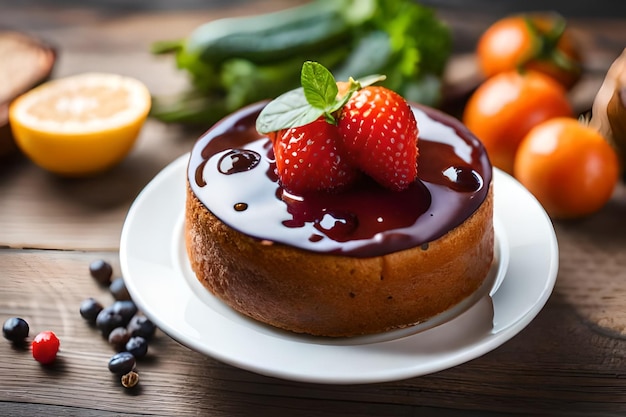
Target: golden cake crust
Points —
{"points": [[332, 295]]}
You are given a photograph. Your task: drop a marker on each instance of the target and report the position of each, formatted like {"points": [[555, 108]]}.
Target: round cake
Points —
{"points": [[361, 261]]}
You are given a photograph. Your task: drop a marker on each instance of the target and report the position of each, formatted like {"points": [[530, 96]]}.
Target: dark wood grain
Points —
{"points": [[570, 361], [559, 363]]}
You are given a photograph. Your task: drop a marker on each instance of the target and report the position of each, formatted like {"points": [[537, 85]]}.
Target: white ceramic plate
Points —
{"points": [[159, 279]]}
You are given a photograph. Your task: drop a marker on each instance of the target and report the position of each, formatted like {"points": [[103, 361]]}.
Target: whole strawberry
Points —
{"points": [[380, 136], [307, 158]]}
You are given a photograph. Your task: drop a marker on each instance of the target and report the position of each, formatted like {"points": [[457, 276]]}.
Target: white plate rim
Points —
{"points": [[149, 259]]}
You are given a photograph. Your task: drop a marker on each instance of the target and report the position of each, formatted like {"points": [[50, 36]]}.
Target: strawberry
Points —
{"points": [[379, 134], [325, 133], [307, 158]]}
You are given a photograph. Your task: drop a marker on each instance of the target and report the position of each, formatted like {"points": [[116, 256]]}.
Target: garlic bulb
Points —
{"points": [[608, 113]]}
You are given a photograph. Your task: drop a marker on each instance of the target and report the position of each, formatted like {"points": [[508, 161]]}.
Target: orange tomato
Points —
{"points": [[570, 168], [539, 42], [505, 107]]}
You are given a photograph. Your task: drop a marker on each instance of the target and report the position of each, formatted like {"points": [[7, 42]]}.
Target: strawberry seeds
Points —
{"points": [[324, 141]]}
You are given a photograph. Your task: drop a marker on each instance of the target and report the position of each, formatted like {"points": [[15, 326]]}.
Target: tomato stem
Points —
{"points": [[545, 43]]}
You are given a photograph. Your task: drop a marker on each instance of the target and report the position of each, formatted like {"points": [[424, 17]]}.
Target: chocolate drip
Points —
{"points": [[232, 166]]}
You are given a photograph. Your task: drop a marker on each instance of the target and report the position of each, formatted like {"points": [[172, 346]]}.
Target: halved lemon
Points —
{"points": [[82, 124]]}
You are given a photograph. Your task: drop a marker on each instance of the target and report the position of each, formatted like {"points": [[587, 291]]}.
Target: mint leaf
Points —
{"points": [[320, 88], [316, 98], [290, 109]]}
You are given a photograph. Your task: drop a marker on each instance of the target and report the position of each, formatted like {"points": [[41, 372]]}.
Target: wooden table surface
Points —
{"points": [[571, 360]]}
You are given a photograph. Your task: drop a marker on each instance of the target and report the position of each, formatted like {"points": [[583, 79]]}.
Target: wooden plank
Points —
{"points": [[592, 276], [558, 363], [40, 210]]}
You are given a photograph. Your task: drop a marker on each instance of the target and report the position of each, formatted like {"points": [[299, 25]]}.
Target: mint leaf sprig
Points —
{"points": [[318, 97]]}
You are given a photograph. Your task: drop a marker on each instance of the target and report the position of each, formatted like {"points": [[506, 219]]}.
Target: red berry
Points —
{"points": [[308, 159], [45, 347], [380, 136]]}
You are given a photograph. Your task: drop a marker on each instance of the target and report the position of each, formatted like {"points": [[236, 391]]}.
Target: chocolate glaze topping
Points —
{"points": [[231, 171]]}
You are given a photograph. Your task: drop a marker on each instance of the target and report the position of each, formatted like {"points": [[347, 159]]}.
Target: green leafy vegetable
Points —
{"points": [[237, 61]]}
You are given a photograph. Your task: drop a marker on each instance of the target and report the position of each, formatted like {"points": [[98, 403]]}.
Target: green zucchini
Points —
{"points": [[274, 36]]}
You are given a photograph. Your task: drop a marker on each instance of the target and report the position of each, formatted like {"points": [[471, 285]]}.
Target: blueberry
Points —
{"points": [[118, 289], [89, 309], [126, 308], [101, 271], [108, 320], [138, 346], [122, 363], [118, 338], [141, 326], [15, 329]]}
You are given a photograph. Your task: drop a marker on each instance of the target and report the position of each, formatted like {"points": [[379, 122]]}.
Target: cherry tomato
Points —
{"points": [[505, 107], [570, 168], [45, 347], [540, 42]]}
